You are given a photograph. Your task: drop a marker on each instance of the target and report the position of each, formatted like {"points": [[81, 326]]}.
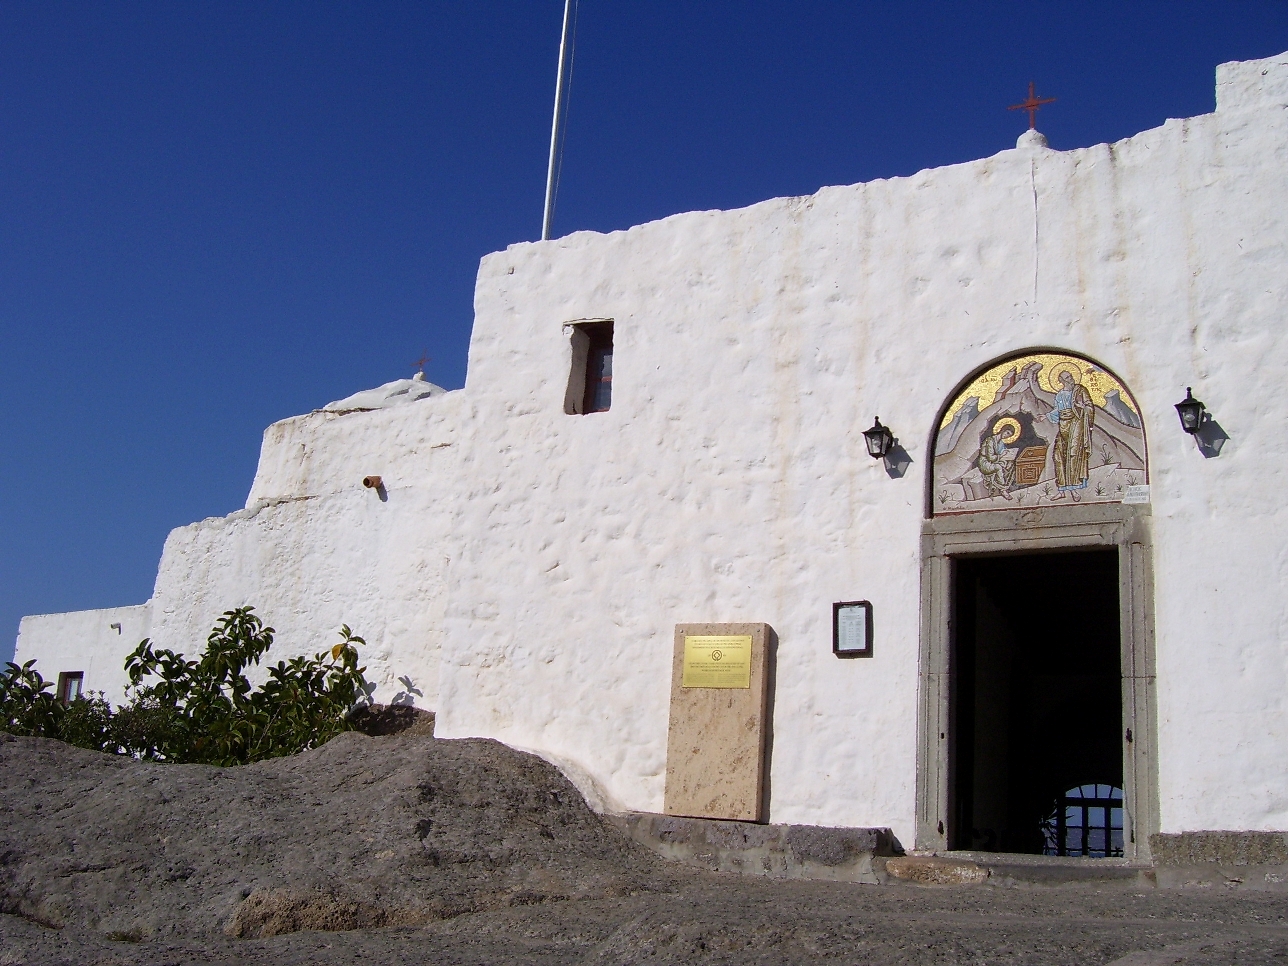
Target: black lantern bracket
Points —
{"points": [[1192, 412], [878, 440], [1197, 421], [882, 444]]}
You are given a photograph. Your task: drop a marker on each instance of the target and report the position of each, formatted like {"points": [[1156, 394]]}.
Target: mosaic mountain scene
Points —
{"points": [[1045, 428]]}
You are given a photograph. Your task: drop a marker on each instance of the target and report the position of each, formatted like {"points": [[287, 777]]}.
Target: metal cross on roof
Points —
{"points": [[420, 363], [1031, 105]]}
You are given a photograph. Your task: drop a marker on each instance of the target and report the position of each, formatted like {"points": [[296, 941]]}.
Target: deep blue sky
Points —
{"points": [[214, 216]]}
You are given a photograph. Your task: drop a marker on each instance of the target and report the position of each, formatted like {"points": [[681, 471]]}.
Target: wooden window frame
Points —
{"points": [[65, 678], [587, 339]]}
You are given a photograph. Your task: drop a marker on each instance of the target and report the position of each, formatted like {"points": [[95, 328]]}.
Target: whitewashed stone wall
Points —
{"points": [[528, 567], [94, 642]]}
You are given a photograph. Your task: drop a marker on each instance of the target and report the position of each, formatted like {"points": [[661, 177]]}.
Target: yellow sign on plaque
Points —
{"points": [[717, 662]]}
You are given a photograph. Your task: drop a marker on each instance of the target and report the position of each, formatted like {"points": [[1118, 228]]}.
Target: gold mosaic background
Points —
{"points": [[985, 386]]}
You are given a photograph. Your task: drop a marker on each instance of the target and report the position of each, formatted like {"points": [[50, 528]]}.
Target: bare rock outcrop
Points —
{"points": [[362, 832]]}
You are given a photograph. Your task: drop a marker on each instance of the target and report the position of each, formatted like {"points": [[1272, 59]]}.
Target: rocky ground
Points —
{"points": [[406, 848]]}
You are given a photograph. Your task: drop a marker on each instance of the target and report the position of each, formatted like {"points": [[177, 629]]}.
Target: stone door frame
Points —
{"points": [[1048, 528]]}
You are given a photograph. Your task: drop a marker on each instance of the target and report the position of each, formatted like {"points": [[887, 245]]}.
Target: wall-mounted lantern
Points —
{"points": [[1191, 412], [879, 439]]}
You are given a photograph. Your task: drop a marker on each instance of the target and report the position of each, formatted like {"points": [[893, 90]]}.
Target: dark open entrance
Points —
{"points": [[1036, 702]]}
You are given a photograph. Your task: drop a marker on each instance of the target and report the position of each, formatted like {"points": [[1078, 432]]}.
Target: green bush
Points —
{"points": [[88, 721], [26, 706], [205, 710]]}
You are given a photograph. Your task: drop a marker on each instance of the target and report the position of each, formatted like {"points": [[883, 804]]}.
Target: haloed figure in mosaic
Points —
{"points": [[1074, 413], [997, 470]]}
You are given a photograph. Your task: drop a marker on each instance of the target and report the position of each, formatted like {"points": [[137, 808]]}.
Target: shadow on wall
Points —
{"points": [[771, 686], [897, 461], [1210, 438], [408, 695]]}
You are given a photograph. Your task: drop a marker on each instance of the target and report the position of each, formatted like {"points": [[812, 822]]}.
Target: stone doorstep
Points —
{"points": [[776, 851], [1013, 869], [1248, 860]]}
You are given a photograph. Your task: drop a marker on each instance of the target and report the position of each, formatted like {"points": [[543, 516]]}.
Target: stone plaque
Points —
{"points": [[1136, 494], [715, 661], [715, 750]]}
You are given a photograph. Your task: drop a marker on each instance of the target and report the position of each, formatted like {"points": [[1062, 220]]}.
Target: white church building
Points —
{"points": [[1047, 589]]}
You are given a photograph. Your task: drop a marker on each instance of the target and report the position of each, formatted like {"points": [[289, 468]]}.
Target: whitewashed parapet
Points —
{"points": [[1252, 84]]}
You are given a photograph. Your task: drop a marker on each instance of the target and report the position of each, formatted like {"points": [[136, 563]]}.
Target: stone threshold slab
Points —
{"points": [[874, 856], [776, 851], [1015, 869]]}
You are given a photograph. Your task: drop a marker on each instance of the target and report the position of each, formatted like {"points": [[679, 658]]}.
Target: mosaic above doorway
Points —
{"points": [[1039, 429]]}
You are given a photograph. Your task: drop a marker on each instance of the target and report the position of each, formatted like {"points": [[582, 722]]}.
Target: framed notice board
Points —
{"points": [[852, 628]]}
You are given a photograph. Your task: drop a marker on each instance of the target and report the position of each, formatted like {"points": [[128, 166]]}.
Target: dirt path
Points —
{"points": [[469, 852]]}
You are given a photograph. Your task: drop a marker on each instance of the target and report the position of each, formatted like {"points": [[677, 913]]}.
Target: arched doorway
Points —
{"points": [[1036, 653]]}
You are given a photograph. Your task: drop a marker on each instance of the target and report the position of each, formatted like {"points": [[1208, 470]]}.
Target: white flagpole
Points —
{"points": [[547, 220]]}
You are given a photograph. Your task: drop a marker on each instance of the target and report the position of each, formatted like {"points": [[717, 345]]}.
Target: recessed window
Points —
{"points": [[590, 380], [1088, 820], [69, 685]]}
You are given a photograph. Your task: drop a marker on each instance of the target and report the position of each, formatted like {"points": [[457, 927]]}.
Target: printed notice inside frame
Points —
{"points": [[852, 628]]}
